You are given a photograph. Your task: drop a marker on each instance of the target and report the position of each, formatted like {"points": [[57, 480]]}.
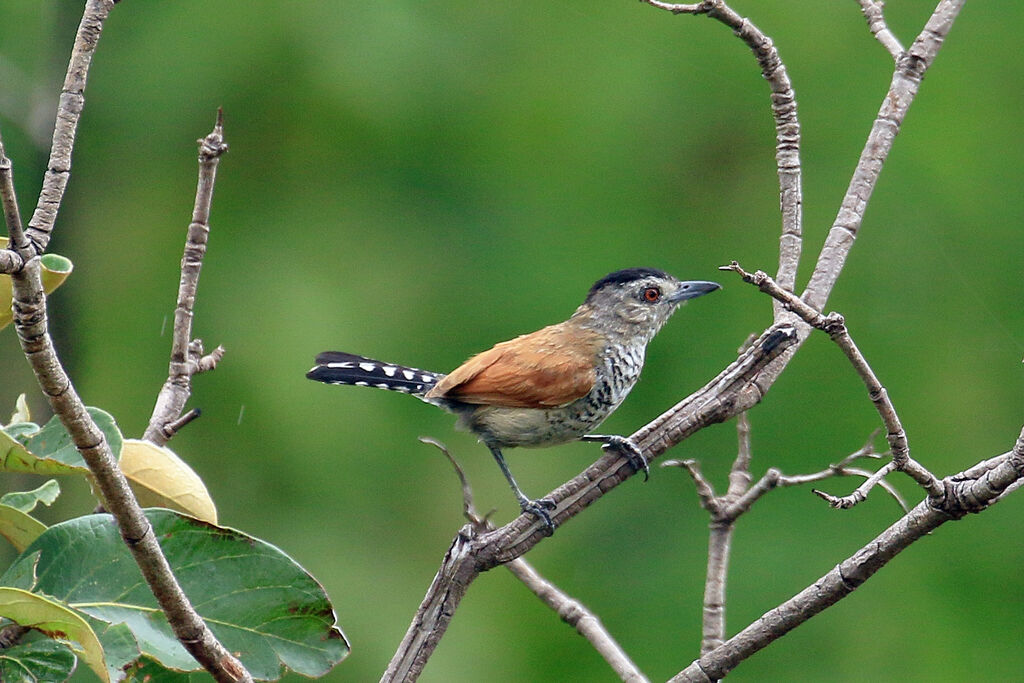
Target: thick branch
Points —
{"points": [[69, 109], [187, 355], [906, 80]]}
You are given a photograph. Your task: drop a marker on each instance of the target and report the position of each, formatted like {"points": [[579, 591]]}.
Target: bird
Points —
{"points": [[548, 387]]}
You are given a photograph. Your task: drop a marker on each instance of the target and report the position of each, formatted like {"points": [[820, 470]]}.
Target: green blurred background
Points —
{"points": [[416, 181]]}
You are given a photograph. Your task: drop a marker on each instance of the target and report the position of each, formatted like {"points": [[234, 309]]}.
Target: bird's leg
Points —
{"points": [[625, 446], [538, 508]]}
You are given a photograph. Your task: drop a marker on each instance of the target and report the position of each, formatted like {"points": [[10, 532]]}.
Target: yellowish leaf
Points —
{"points": [[57, 621], [19, 527], [162, 479], [21, 412], [55, 270]]}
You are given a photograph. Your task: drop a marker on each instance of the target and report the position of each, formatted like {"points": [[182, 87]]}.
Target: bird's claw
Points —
{"points": [[539, 509], [627, 447]]}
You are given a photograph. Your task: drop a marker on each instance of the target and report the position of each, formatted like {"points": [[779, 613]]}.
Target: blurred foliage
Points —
{"points": [[416, 181]]}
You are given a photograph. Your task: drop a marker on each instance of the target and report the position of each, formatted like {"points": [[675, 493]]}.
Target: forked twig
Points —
{"points": [[187, 357], [834, 325], [874, 14]]}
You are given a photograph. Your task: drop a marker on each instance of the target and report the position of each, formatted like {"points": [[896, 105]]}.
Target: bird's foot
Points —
{"points": [[624, 446], [539, 509]]}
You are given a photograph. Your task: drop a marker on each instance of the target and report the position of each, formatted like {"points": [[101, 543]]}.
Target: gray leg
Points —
{"points": [[625, 446], [533, 507]]}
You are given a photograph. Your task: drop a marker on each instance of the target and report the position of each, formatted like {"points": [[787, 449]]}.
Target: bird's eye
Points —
{"points": [[651, 294]]}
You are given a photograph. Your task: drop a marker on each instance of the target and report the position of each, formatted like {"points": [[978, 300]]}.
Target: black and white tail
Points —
{"points": [[337, 367]]}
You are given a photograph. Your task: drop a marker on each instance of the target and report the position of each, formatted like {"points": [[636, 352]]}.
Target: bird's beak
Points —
{"points": [[692, 289]]}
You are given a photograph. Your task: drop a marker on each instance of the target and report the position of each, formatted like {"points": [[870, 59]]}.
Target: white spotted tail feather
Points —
{"points": [[337, 367]]}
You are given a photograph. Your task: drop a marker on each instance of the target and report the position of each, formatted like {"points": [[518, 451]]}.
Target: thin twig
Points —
{"points": [[175, 426], [574, 613], [834, 325], [874, 14], [709, 500], [725, 510], [18, 251], [468, 507], [69, 109], [187, 354], [860, 494], [774, 478], [787, 128]]}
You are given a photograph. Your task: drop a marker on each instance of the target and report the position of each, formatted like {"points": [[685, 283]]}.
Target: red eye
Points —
{"points": [[652, 294]]}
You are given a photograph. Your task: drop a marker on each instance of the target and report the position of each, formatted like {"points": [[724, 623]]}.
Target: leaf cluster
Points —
{"points": [[75, 593]]}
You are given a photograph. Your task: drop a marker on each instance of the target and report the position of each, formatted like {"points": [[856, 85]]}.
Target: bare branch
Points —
{"points": [[787, 128], [739, 474], [966, 494], [834, 325], [705, 491], [187, 354], [30, 320], [735, 390], [69, 109], [873, 11], [678, 8], [906, 80], [773, 479]]}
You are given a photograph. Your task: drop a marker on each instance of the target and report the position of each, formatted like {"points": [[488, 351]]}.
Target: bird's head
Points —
{"points": [[638, 301]]}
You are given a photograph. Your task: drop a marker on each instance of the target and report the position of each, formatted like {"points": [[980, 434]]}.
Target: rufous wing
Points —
{"points": [[547, 368]]}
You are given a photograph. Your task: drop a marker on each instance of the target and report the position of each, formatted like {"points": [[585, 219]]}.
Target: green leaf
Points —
{"points": [[41, 661], [19, 528], [24, 447], [260, 604], [119, 646], [151, 672], [26, 500], [15, 523], [55, 270], [57, 621], [54, 442]]}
